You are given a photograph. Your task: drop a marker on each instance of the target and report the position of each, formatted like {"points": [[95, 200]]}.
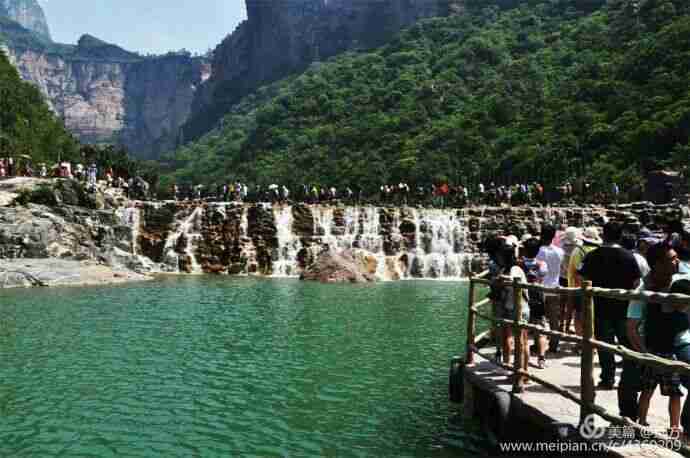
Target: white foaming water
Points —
{"points": [[439, 241], [432, 246], [190, 229], [289, 244], [131, 216]]}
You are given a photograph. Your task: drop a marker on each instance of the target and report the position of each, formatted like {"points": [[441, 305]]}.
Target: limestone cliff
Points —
{"points": [[106, 94], [279, 38], [28, 13]]}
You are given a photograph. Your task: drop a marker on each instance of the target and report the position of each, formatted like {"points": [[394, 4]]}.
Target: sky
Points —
{"points": [[145, 26]]}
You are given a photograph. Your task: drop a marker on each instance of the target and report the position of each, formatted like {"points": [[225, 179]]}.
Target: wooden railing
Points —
{"points": [[586, 398]]}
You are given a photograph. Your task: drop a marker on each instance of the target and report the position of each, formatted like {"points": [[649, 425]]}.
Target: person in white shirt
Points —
{"points": [[553, 257]]}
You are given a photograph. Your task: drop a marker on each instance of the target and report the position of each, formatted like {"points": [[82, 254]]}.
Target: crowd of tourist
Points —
{"points": [[613, 259], [432, 195]]}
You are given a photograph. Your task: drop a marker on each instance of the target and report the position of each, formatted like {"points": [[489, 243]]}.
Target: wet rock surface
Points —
{"points": [[324, 243], [332, 267]]}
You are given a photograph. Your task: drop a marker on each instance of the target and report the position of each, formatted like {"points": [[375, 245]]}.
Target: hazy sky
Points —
{"points": [[145, 25]]}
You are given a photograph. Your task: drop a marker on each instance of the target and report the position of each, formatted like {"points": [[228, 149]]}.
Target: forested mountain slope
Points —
{"points": [[529, 90], [27, 126]]}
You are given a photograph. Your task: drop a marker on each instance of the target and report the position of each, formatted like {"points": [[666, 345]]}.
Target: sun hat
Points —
{"points": [[571, 235], [591, 235], [525, 237], [512, 240]]}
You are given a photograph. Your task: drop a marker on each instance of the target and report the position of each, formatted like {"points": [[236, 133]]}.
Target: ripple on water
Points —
{"points": [[226, 367]]}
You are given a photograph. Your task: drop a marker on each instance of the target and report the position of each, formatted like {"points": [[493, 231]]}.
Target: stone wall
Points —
{"points": [[253, 239]]}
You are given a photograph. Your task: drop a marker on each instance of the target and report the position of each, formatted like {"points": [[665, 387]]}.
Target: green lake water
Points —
{"points": [[218, 366]]}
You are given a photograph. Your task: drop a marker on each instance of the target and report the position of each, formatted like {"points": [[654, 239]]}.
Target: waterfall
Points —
{"points": [[131, 217], [189, 229], [389, 243], [439, 241], [289, 244], [440, 238]]}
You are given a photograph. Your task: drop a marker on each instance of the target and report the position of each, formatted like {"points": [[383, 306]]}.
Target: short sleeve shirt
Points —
{"points": [[611, 267], [552, 256]]}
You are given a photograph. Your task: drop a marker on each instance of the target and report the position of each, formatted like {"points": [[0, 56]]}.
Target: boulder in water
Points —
{"points": [[337, 268]]}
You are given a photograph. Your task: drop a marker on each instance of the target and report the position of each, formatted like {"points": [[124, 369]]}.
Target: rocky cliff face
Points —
{"points": [[28, 13], [105, 94], [102, 92], [321, 242], [282, 37]]}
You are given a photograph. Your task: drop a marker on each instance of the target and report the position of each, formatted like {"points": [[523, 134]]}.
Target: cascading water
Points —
{"points": [[440, 238], [189, 230], [288, 243], [389, 243], [439, 241], [131, 217]]}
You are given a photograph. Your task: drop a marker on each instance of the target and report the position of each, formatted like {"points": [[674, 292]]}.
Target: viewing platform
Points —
{"points": [[559, 410]]}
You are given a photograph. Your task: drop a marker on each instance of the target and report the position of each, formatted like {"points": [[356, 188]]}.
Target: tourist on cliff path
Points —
{"points": [[613, 267], [553, 257]]}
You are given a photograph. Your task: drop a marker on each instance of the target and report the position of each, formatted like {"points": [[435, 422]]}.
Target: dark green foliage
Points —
{"points": [[522, 90], [27, 126]]}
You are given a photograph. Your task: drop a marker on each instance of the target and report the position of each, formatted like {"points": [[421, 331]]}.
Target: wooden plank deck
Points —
{"points": [[564, 369]]}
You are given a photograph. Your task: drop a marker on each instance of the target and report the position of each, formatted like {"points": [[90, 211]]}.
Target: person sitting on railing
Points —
{"points": [[661, 330], [535, 272]]}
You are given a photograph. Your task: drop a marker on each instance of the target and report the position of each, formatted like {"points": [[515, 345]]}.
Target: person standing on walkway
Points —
{"points": [[569, 243], [610, 266], [535, 272], [661, 330], [590, 242], [553, 257]]}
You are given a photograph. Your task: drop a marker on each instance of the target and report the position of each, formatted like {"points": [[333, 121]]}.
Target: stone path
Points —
{"points": [[564, 370]]}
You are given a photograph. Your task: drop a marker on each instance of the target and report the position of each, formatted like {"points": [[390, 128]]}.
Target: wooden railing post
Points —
{"points": [[471, 325], [587, 392], [517, 337]]}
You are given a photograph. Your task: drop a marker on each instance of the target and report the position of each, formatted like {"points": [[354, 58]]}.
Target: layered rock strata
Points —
{"points": [[119, 98], [328, 243]]}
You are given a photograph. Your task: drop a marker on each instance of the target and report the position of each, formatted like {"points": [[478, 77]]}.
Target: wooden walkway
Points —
{"points": [[564, 369]]}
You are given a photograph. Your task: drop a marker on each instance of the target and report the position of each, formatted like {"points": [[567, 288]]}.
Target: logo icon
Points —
{"points": [[588, 429], [563, 431]]}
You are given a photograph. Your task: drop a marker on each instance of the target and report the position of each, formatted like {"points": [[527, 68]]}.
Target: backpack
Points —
{"points": [[534, 272]]}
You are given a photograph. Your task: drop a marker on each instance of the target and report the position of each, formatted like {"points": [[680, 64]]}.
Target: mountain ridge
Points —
{"points": [[282, 38], [104, 93], [528, 91], [29, 14]]}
